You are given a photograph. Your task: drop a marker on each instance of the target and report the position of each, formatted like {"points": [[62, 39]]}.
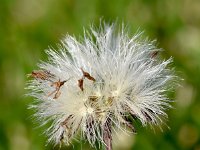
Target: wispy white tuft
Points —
{"points": [[104, 82]]}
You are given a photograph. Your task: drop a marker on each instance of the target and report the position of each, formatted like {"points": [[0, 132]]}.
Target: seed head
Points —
{"points": [[106, 81]]}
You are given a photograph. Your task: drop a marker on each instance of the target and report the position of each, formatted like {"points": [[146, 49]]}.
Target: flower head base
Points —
{"points": [[93, 86]]}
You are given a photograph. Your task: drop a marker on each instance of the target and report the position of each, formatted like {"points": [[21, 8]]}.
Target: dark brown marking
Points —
{"points": [[57, 86], [41, 74], [87, 75], [80, 84], [129, 124], [154, 54], [107, 131], [64, 123], [147, 116]]}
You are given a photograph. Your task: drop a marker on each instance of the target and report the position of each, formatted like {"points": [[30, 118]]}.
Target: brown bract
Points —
{"points": [[85, 75], [57, 86], [41, 74], [80, 84]]}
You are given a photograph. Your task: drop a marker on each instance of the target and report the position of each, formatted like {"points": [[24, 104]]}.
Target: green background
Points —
{"points": [[27, 27]]}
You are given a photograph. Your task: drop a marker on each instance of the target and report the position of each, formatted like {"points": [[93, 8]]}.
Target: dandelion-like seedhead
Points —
{"points": [[108, 80]]}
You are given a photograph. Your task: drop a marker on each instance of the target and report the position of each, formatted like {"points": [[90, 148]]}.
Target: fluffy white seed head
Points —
{"points": [[96, 85]]}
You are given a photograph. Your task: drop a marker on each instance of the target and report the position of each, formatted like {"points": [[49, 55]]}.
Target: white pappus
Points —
{"points": [[104, 82]]}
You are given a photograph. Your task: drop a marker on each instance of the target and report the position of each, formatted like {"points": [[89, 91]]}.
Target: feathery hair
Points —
{"points": [[91, 87]]}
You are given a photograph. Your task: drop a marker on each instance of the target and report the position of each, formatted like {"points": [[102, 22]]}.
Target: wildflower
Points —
{"points": [[104, 82]]}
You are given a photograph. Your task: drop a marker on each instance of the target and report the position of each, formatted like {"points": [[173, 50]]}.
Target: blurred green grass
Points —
{"points": [[27, 27]]}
